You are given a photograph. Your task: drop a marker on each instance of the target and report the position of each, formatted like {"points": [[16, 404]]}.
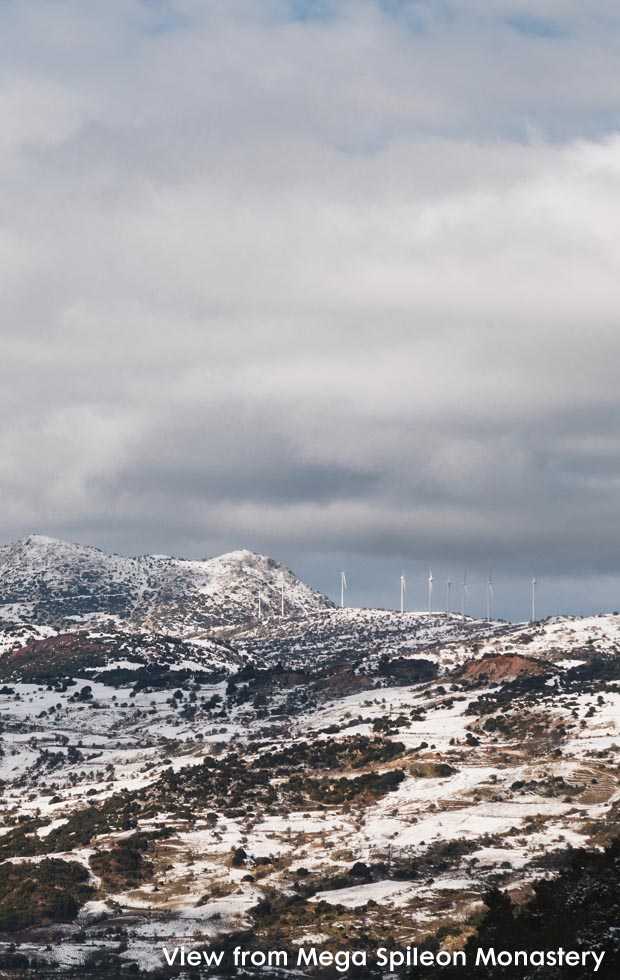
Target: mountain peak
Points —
{"points": [[242, 554], [40, 540]]}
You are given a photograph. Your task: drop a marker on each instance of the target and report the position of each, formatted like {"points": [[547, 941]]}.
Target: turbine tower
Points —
{"points": [[343, 588], [403, 589], [534, 584], [464, 593], [430, 591], [449, 596], [490, 595]]}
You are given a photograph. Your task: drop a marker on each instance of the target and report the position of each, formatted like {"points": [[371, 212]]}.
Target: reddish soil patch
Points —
{"points": [[496, 667]]}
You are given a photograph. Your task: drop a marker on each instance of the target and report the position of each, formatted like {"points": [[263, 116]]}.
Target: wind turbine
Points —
{"points": [[430, 591], [448, 596], [464, 593], [534, 584], [403, 589], [343, 588], [490, 595]]}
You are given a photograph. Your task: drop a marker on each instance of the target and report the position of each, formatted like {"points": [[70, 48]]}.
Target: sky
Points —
{"points": [[334, 281]]}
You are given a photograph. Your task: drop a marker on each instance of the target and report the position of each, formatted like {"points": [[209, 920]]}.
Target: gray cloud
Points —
{"points": [[334, 281]]}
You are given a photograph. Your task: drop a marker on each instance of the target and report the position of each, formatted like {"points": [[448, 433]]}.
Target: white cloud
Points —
{"points": [[338, 283]]}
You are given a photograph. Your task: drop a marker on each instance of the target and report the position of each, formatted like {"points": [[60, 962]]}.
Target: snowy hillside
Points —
{"points": [[175, 770], [329, 635], [49, 581]]}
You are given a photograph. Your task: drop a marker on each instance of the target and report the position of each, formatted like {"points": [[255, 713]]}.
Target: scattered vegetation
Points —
{"points": [[579, 909], [124, 865], [41, 894]]}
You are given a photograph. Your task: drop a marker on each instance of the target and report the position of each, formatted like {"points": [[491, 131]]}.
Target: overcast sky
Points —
{"points": [[337, 282]]}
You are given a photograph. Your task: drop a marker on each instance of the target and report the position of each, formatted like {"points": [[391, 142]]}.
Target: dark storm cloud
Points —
{"points": [[336, 281], [214, 469]]}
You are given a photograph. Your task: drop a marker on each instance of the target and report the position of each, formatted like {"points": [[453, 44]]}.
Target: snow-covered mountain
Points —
{"points": [[45, 580]]}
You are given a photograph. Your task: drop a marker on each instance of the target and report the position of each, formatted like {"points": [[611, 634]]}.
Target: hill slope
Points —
{"points": [[359, 799]]}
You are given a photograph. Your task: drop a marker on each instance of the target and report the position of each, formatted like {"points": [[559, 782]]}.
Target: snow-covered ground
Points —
{"points": [[488, 790]]}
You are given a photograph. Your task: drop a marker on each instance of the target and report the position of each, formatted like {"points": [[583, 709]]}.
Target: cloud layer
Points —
{"points": [[336, 281]]}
